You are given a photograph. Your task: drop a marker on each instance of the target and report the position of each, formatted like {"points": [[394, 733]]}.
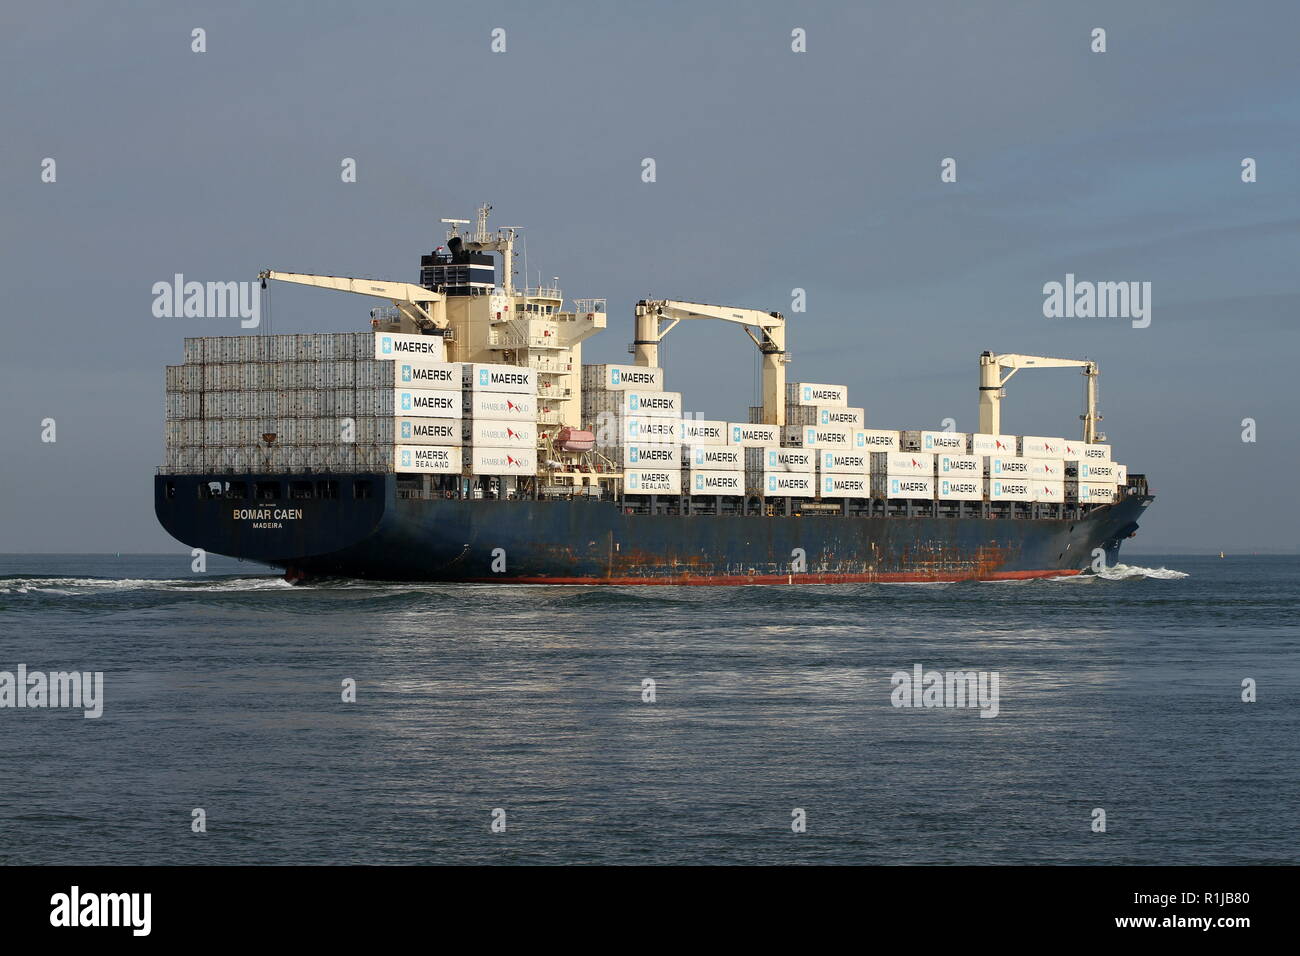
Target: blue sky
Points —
{"points": [[776, 170]]}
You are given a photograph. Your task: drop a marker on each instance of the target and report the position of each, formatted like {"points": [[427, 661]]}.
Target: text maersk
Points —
{"points": [[703, 433], [729, 457], [719, 481], [428, 403], [395, 345], [426, 458], [844, 461], [622, 375], [755, 435], [964, 464], [789, 458], [434, 430], [644, 403], [430, 376], [652, 454]]}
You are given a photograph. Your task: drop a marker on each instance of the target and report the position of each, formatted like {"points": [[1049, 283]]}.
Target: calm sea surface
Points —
{"points": [[222, 691]]}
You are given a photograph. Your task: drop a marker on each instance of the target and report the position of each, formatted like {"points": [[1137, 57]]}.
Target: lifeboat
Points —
{"points": [[575, 439]]}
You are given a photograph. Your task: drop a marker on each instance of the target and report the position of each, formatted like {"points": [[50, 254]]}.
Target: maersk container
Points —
{"points": [[651, 455], [1009, 489], [954, 442], [987, 445], [876, 439], [1001, 466], [418, 431], [778, 458], [844, 486], [648, 430], [661, 481], [632, 403], [698, 431], [844, 462], [436, 459], [1090, 492], [423, 402], [500, 461], [1033, 446], [960, 489], [715, 457], [495, 434], [1048, 469], [397, 345], [1047, 491], [653, 404], [622, 377], [902, 485], [894, 463], [1121, 474], [498, 407], [812, 393], [825, 415], [752, 436], [780, 484], [515, 379], [1085, 470], [1096, 452], [819, 436], [959, 466], [711, 482], [442, 375]]}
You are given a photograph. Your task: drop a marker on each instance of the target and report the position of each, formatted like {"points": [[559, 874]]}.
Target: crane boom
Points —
{"points": [[426, 309], [992, 382], [651, 313]]}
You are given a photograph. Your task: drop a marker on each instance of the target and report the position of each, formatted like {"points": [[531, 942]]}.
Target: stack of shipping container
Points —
{"points": [[499, 427], [638, 425], [345, 402], [385, 402]]}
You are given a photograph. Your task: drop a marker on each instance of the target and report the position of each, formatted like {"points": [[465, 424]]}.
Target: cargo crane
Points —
{"points": [[425, 310], [650, 314], [991, 385]]}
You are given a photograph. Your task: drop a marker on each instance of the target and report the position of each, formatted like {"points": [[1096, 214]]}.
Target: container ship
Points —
{"points": [[461, 438]]}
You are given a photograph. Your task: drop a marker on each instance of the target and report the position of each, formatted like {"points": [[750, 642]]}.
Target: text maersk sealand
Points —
{"points": [[362, 473]]}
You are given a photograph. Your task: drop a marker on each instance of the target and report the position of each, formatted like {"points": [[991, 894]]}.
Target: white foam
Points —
{"points": [[1131, 572], [74, 586]]}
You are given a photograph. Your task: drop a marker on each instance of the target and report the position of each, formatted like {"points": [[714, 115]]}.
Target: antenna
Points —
{"points": [[454, 223]]}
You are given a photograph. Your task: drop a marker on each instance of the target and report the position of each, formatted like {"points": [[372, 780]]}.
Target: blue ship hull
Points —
{"points": [[384, 534]]}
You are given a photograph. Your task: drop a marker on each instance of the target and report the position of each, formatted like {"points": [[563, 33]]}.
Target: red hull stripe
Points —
{"points": [[883, 577]]}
